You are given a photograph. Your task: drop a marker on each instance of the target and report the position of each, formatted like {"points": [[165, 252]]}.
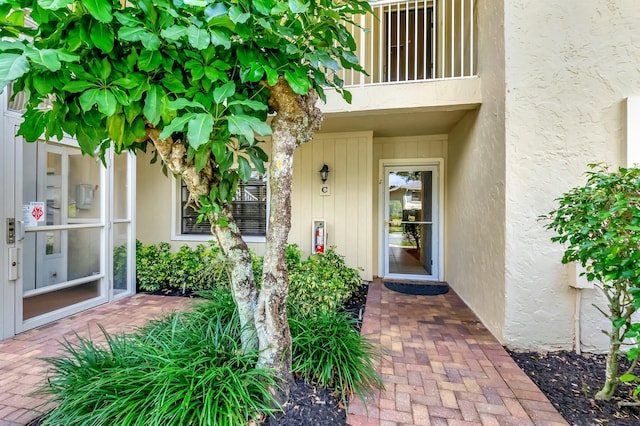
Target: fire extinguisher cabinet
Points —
{"points": [[318, 236]]}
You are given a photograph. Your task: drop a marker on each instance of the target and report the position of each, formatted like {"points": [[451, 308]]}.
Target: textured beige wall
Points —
{"points": [[348, 208], [570, 67], [153, 201], [428, 146], [475, 184]]}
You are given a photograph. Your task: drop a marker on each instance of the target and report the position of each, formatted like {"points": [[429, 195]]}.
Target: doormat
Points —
{"points": [[418, 289]]}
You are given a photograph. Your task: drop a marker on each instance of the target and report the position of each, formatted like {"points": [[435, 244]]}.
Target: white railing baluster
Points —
{"points": [[462, 27], [443, 42], [472, 49]]}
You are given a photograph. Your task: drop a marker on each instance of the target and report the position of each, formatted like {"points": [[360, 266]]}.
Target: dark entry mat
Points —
{"points": [[418, 289]]}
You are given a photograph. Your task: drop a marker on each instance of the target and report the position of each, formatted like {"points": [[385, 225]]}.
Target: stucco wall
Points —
{"points": [[408, 147], [475, 184], [570, 66]]}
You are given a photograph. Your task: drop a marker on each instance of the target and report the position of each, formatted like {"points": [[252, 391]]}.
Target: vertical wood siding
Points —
{"points": [[347, 210]]}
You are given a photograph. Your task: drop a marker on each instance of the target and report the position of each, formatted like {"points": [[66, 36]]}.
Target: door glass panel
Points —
{"points": [[48, 302], [120, 256], [61, 266], [120, 188], [84, 252], [84, 184], [410, 223]]}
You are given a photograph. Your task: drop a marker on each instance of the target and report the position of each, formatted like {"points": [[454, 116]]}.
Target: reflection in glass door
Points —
{"points": [[64, 222], [411, 225]]}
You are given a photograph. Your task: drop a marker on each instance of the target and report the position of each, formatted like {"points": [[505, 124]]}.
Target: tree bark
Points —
{"points": [[615, 340], [295, 122], [243, 287]]}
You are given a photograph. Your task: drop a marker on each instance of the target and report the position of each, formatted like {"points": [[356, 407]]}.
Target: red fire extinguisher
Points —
{"points": [[320, 239]]}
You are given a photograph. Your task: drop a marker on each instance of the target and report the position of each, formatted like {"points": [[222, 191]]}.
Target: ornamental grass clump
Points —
{"points": [[187, 369], [329, 351], [599, 225]]}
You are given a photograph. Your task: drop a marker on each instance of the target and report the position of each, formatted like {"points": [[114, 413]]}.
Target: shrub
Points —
{"points": [[185, 369], [321, 283], [600, 225], [328, 350], [153, 266], [188, 269]]}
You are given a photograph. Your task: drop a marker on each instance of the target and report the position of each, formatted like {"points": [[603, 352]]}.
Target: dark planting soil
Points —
{"points": [[570, 381]]}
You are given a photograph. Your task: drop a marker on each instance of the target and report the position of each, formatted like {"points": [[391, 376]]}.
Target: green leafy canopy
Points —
{"points": [[196, 70]]}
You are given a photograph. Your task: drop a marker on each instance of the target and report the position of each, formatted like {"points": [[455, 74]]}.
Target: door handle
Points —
{"points": [[19, 230]]}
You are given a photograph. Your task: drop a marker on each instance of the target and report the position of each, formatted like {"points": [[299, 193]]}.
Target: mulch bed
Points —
{"points": [[570, 381]]}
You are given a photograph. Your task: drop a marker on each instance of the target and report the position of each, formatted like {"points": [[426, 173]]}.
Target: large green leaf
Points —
{"points": [[107, 102], [254, 105], [174, 32], [54, 4], [220, 37], [238, 16], [244, 168], [218, 147], [77, 86], [116, 127], [199, 129], [220, 94], [198, 37], [102, 37], [88, 99], [12, 66], [263, 6], [176, 125], [298, 6], [245, 125], [149, 60], [100, 9], [298, 81], [181, 103], [153, 105]]}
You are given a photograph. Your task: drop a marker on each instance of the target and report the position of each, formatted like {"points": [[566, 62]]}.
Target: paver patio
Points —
{"points": [[21, 369], [441, 367]]}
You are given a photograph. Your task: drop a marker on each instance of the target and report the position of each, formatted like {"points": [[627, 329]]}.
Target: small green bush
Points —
{"points": [[187, 369], [328, 350], [321, 283], [188, 269], [153, 266]]}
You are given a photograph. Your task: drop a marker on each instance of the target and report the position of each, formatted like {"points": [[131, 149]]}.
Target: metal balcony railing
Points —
{"points": [[419, 40]]}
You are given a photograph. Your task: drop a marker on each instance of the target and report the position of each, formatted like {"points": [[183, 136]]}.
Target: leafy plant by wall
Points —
{"points": [[599, 224], [321, 283]]}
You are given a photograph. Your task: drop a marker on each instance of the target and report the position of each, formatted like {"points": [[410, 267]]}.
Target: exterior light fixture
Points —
{"points": [[324, 173]]}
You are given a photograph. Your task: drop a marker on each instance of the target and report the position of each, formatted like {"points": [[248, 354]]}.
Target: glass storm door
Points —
{"points": [[411, 227], [61, 208]]}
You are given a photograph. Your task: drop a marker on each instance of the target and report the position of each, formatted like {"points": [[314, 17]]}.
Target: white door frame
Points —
{"points": [[438, 210]]}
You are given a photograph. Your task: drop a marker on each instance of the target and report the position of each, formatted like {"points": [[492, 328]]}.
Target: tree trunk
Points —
{"points": [[615, 340], [243, 287], [295, 121]]}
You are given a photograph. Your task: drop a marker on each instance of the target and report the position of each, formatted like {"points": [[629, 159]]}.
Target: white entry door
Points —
{"points": [[412, 222], [72, 245]]}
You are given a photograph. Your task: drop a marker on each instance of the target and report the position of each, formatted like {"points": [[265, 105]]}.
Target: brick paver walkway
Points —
{"points": [[21, 370], [442, 367]]}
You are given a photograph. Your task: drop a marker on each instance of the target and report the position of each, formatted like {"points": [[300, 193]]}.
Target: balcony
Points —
{"points": [[402, 46]]}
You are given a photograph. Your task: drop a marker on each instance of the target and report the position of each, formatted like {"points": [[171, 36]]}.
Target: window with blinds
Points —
{"points": [[249, 209]]}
